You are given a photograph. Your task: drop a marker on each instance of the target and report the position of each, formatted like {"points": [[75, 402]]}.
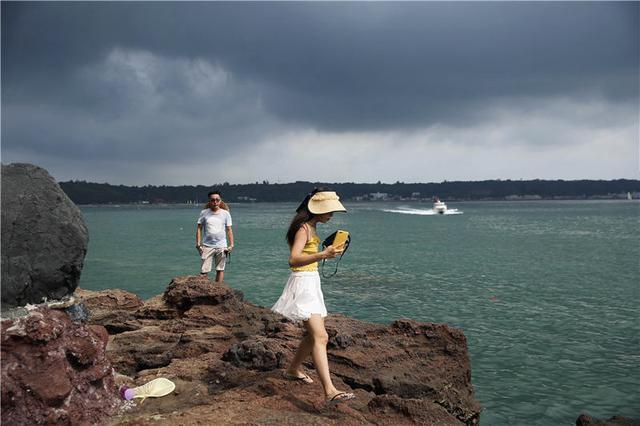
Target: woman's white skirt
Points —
{"points": [[301, 297]]}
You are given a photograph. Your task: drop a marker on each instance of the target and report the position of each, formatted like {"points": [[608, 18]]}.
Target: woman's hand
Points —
{"points": [[330, 252]]}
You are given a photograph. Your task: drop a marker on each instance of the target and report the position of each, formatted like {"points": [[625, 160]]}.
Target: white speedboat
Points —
{"points": [[439, 206]]}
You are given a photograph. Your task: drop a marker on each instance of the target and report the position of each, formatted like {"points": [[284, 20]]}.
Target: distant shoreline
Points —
{"points": [[200, 206], [82, 192]]}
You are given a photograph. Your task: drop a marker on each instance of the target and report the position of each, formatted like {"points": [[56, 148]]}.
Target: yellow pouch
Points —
{"points": [[340, 239]]}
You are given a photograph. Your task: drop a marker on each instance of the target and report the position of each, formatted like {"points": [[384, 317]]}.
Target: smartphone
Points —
{"points": [[340, 239]]}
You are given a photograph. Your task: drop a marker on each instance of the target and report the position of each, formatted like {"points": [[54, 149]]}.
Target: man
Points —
{"points": [[213, 228]]}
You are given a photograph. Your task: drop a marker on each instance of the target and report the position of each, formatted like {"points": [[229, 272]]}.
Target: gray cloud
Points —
{"points": [[160, 83]]}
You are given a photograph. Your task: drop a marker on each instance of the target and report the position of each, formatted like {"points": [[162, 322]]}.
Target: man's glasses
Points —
{"points": [[215, 199]]}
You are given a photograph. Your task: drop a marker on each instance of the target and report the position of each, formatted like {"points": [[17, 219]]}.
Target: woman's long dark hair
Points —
{"points": [[302, 215]]}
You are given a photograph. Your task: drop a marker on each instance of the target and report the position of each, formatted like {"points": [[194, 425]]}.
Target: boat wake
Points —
{"points": [[422, 212]]}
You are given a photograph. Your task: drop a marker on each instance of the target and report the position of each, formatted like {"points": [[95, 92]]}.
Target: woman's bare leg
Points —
{"points": [[319, 337], [304, 350]]}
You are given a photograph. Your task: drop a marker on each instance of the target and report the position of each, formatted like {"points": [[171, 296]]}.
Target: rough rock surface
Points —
{"points": [[44, 237], [55, 371], [226, 357], [586, 420]]}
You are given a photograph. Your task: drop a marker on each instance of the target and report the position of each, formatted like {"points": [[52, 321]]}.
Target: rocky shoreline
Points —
{"points": [[226, 357], [230, 353]]}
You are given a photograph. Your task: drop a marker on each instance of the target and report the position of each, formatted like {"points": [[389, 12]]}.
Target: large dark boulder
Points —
{"points": [[44, 237]]}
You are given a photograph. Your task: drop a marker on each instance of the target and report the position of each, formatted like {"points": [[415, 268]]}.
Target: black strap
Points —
{"points": [[335, 271], [327, 242]]}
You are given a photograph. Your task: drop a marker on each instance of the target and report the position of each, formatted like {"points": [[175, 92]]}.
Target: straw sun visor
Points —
{"points": [[325, 202]]}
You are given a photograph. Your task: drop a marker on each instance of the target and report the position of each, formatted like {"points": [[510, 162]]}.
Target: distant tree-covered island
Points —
{"points": [[82, 192]]}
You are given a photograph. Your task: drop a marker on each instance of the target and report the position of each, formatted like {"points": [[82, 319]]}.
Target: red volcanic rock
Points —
{"points": [[147, 347], [389, 408], [109, 300], [55, 371], [184, 292], [407, 359], [156, 308], [226, 357], [111, 308], [257, 353]]}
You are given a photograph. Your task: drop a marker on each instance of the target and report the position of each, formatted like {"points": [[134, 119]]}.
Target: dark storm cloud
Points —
{"points": [[338, 66], [175, 93]]}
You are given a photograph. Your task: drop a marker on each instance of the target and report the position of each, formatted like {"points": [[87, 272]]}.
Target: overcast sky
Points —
{"points": [[201, 93]]}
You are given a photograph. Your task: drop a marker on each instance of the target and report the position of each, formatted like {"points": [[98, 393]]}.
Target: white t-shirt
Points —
{"points": [[214, 226]]}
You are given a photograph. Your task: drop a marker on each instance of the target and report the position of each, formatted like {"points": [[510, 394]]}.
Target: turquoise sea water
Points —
{"points": [[546, 292]]}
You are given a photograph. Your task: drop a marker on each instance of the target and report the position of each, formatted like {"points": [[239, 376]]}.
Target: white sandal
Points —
{"points": [[154, 389]]}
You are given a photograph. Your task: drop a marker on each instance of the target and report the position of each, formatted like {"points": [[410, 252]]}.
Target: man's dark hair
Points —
{"points": [[214, 193]]}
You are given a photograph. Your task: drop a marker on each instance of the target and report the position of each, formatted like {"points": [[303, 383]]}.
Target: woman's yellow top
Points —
{"points": [[310, 247]]}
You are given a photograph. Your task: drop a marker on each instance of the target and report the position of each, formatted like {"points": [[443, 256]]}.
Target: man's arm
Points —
{"points": [[230, 238], [199, 237]]}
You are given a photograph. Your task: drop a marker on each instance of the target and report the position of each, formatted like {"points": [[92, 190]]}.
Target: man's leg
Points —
{"points": [[220, 258], [206, 260]]}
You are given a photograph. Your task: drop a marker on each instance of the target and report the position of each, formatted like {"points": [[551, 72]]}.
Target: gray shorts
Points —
{"points": [[210, 254]]}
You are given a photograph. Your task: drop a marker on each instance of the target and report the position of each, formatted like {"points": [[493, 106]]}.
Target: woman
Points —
{"points": [[302, 298]]}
